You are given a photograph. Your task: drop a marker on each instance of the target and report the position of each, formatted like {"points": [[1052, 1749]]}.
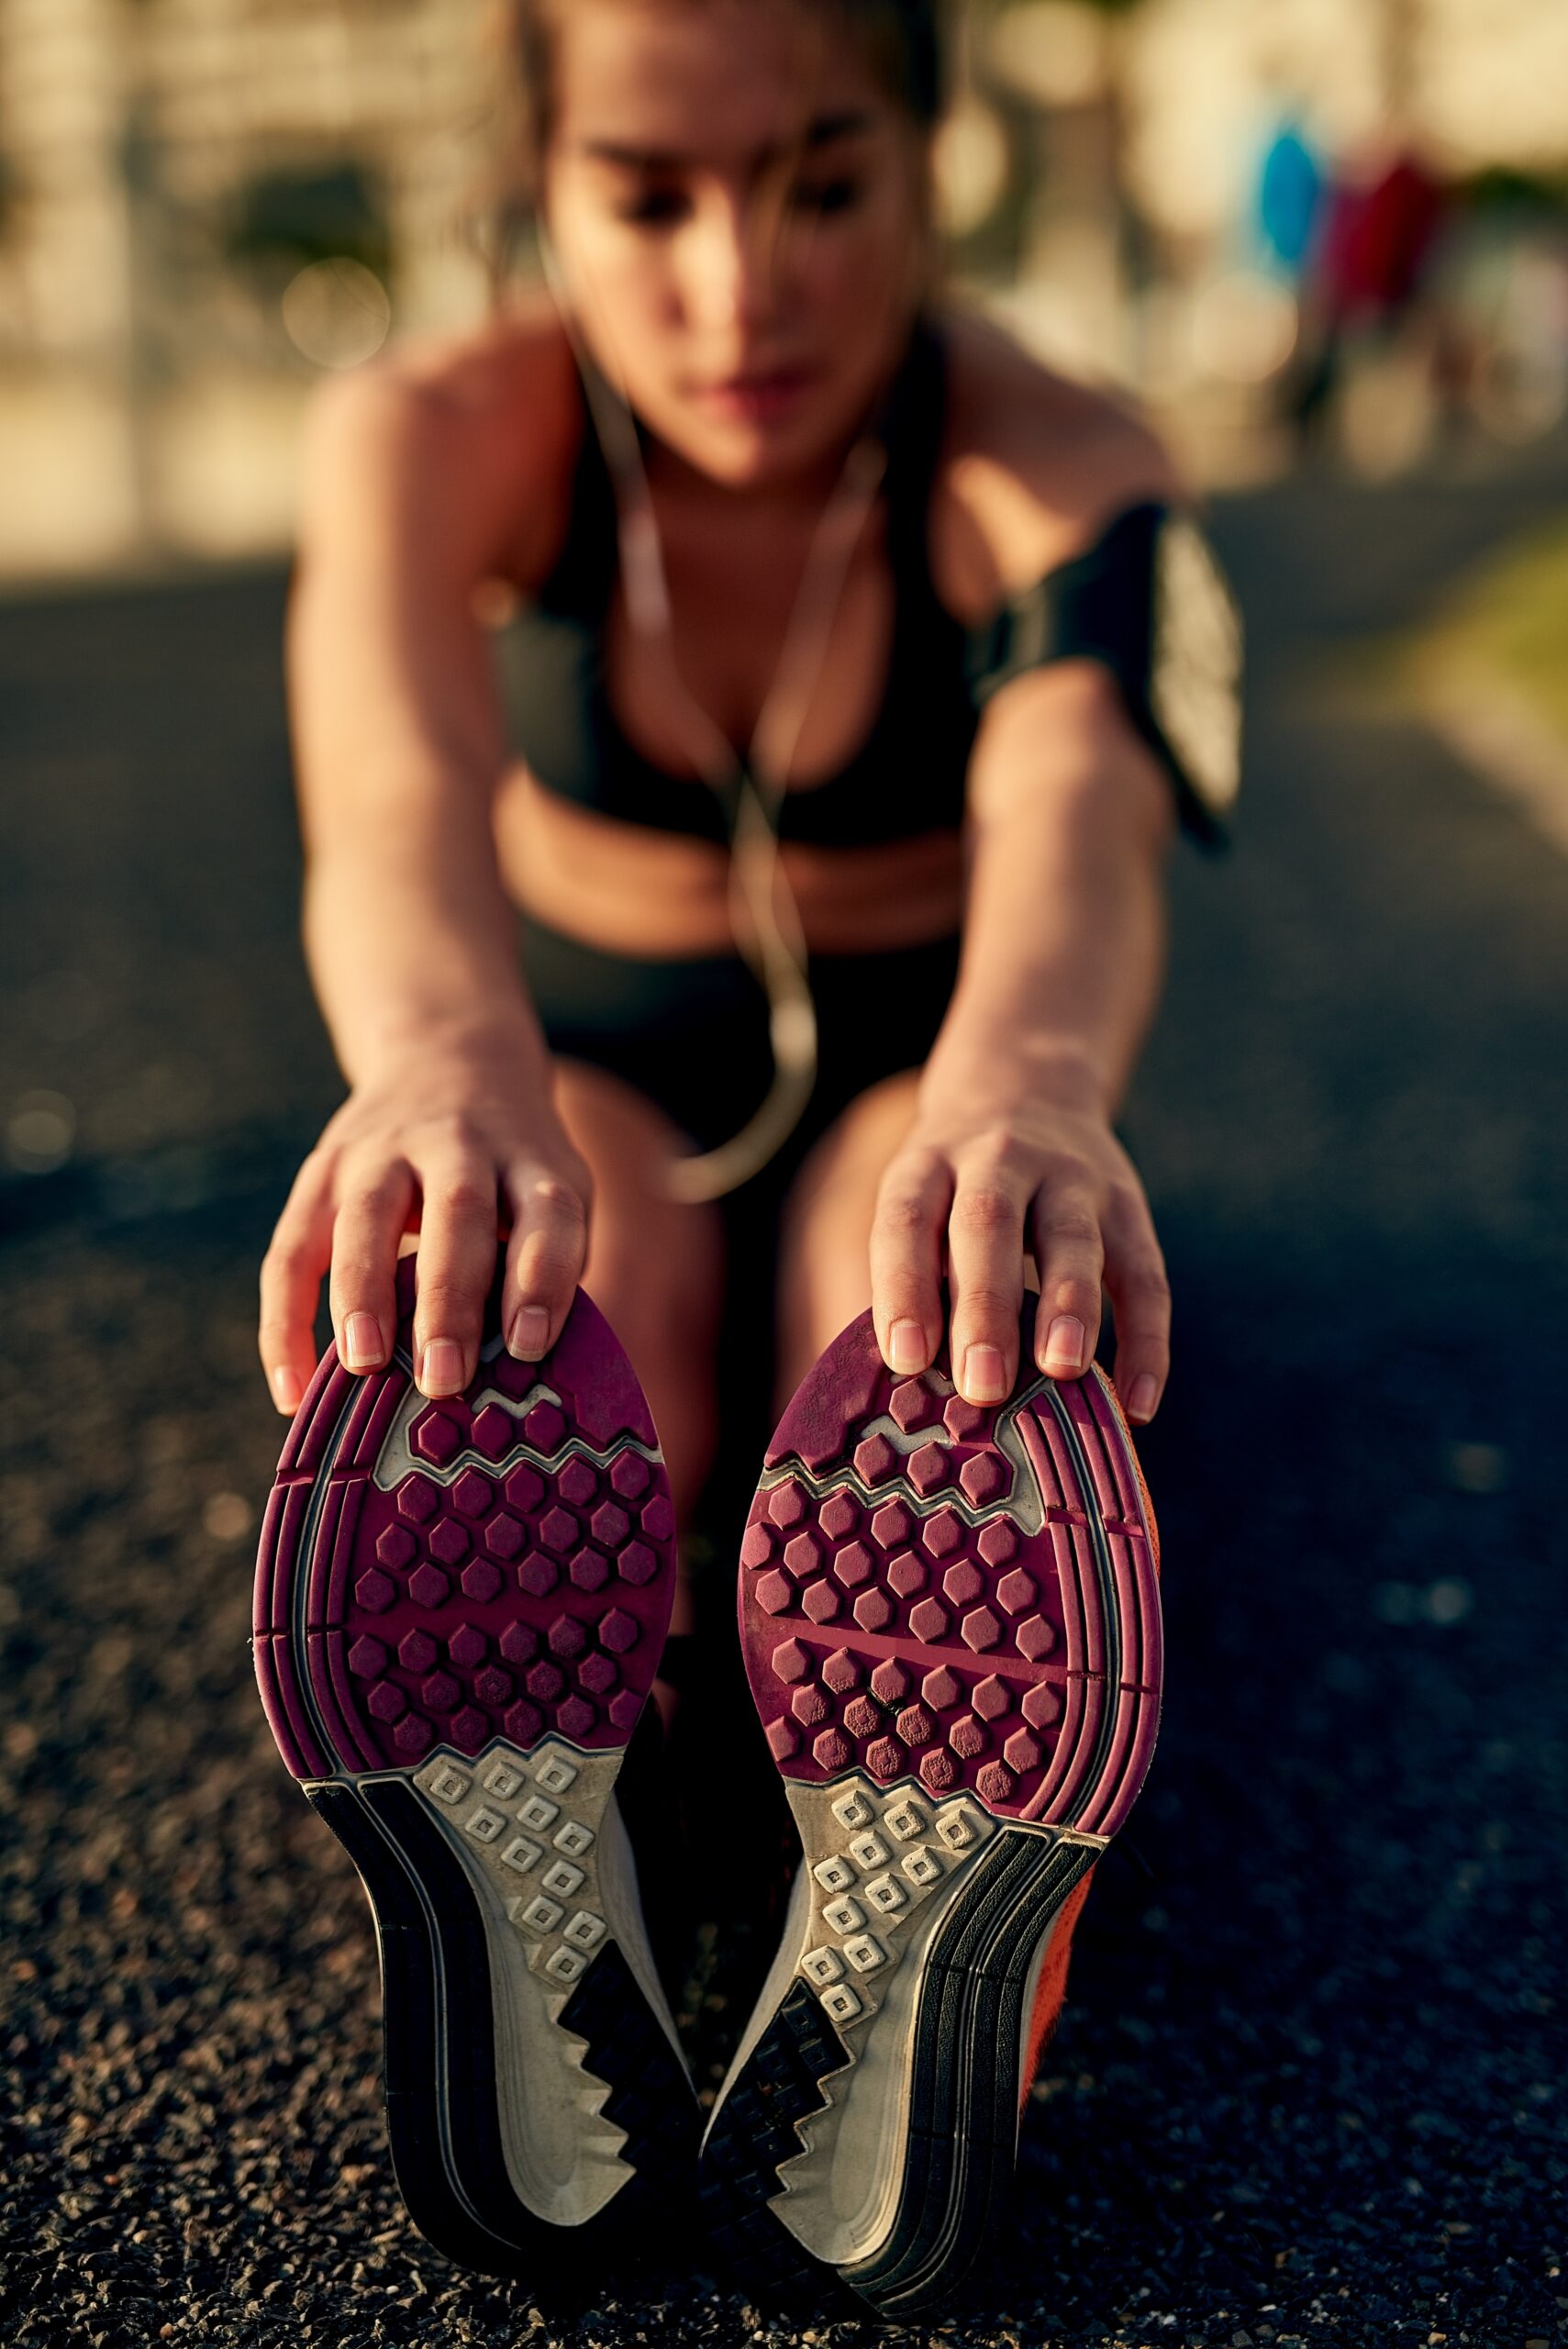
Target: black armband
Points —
{"points": [[1151, 603]]}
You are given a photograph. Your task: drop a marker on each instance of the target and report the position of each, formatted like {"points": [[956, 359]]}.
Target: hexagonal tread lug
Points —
{"points": [[965, 1593]]}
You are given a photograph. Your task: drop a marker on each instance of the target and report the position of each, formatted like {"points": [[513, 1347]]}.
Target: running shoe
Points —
{"points": [[460, 1608], [950, 1624]]}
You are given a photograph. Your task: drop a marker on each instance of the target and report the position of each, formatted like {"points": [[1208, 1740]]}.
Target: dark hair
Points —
{"points": [[901, 38]]}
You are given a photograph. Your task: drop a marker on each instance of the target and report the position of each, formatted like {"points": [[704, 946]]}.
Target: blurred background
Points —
{"points": [[1330, 220], [1309, 2082]]}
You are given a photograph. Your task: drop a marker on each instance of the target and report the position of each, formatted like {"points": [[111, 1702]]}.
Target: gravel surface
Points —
{"points": [[1310, 2084]]}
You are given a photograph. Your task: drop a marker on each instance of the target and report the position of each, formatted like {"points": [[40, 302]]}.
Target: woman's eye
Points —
{"points": [[829, 195], [655, 208]]}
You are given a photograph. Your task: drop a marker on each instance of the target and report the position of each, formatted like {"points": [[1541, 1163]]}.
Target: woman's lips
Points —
{"points": [[760, 396]]}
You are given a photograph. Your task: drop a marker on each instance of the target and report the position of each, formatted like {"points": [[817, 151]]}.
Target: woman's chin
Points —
{"points": [[754, 450]]}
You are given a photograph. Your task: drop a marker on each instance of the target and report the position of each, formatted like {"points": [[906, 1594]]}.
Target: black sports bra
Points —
{"points": [[908, 775]]}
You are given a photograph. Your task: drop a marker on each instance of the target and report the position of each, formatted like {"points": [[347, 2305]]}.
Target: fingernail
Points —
{"points": [[1144, 1394], [907, 1346], [528, 1332], [363, 1348], [288, 1392], [440, 1372], [1064, 1347], [984, 1374]]}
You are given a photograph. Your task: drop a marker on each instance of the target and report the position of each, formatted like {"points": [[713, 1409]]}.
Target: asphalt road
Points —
{"points": [[1309, 2085]]}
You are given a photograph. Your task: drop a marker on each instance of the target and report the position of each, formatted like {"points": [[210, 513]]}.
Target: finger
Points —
{"points": [[907, 1259], [985, 1262], [1140, 1294], [545, 1257], [455, 1264], [370, 1221], [1070, 1251], [298, 1254]]}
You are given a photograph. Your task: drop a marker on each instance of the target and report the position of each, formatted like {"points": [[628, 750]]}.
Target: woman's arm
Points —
{"points": [[1012, 1149], [397, 739], [408, 934]]}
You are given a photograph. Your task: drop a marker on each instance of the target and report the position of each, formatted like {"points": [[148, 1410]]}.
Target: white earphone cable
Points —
{"points": [[765, 914]]}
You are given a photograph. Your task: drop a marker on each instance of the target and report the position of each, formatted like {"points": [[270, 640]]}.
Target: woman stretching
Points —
{"points": [[854, 671]]}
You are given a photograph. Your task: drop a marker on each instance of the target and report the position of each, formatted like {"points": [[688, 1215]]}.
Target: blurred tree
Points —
{"points": [[298, 217]]}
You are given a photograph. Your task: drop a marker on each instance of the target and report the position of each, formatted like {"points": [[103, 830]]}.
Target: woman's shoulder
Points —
{"points": [[520, 352], [477, 430], [1033, 465]]}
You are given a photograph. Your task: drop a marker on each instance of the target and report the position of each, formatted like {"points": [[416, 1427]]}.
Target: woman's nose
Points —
{"points": [[729, 269]]}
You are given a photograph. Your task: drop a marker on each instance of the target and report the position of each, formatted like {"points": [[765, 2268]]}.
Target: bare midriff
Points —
{"points": [[641, 891]]}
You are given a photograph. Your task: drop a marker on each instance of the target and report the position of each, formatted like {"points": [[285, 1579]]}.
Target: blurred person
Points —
{"points": [[1288, 198], [860, 672], [1379, 229]]}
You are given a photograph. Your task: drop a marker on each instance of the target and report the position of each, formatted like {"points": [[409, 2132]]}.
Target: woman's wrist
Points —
{"points": [[505, 1040], [982, 1060], [413, 965]]}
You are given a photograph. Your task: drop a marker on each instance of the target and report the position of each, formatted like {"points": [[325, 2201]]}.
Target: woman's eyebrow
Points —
{"points": [[821, 132]]}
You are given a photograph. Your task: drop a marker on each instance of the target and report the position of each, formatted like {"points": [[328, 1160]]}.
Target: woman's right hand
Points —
{"points": [[453, 1141]]}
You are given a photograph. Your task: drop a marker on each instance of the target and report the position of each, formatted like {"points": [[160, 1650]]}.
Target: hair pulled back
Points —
{"points": [[901, 39]]}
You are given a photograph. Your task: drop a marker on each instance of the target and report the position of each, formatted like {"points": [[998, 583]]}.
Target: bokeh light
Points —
{"points": [[970, 166], [39, 1132], [337, 311], [1243, 327]]}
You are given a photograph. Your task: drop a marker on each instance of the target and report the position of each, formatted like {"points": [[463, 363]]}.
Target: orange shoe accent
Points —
{"points": [[1052, 1989], [1053, 1985], [1115, 1401]]}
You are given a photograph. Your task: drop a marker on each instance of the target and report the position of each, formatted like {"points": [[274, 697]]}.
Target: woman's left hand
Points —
{"points": [[981, 1183]]}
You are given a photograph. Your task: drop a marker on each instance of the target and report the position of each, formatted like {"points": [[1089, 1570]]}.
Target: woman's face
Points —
{"points": [[736, 210]]}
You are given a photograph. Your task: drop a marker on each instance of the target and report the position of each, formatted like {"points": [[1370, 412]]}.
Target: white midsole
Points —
{"points": [[839, 2196], [550, 1902]]}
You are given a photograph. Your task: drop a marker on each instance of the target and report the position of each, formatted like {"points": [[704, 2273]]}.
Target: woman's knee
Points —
{"points": [[825, 1231], [655, 1266]]}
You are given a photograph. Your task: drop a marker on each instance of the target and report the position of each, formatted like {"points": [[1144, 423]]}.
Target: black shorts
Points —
{"points": [[691, 1034]]}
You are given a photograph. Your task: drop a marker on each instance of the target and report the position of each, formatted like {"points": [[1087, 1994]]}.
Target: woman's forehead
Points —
{"points": [[711, 82]]}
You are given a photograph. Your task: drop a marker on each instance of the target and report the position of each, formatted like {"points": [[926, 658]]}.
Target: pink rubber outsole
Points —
{"points": [[500, 1563], [922, 1599]]}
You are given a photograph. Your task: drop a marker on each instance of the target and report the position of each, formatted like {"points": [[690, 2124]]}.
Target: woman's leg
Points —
{"points": [[825, 1226], [655, 1269]]}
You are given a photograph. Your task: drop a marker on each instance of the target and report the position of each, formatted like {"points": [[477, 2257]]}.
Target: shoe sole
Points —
{"points": [[460, 1608], [951, 1622]]}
